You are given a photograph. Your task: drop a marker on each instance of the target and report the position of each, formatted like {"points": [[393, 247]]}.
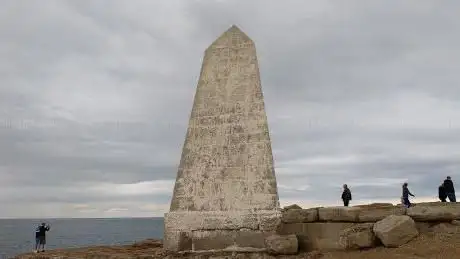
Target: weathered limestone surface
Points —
{"points": [[284, 245], [374, 205], [223, 255], [230, 240], [421, 212], [226, 179], [358, 236], [339, 214], [335, 228], [445, 228], [318, 228], [227, 161], [207, 220], [300, 215], [293, 206], [180, 225], [318, 235], [374, 214], [394, 230], [435, 211], [269, 221]]}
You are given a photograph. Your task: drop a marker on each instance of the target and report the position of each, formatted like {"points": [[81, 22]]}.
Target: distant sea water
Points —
{"points": [[18, 235]]}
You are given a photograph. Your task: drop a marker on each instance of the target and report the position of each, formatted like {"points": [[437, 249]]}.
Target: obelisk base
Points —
{"points": [[198, 231]]}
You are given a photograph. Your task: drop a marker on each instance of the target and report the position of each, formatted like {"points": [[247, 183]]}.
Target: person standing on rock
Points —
{"points": [[405, 195], [442, 193], [450, 190], [346, 195], [40, 237]]}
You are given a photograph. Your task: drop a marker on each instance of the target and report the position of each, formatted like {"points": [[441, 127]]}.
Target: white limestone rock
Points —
{"points": [[339, 214], [394, 230], [434, 212], [358, 236], [282, 244], [300, 215], [376, 213]]}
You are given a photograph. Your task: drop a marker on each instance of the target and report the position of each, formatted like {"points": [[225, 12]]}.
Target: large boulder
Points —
{"points": [[439, 211], [339, 214], [358, 236], [300, 215], [394, 230], [282, 244]]}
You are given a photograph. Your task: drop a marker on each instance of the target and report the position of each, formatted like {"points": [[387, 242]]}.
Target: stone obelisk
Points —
{"points": [[226, 180]]}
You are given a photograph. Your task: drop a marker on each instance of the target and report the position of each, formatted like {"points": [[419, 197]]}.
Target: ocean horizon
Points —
{"points": [[18, 235]]}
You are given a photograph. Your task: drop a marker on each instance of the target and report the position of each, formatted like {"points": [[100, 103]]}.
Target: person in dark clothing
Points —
{"points": [[442, 193], [40, 237], [346, 195], [449, 188], [405, 195]]}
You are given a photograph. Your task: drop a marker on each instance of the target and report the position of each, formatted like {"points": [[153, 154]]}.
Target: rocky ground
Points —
{"points": [[437, 239], [439, 243], [150, 248]]}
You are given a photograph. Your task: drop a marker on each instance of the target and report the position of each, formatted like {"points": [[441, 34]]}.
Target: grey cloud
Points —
{"points": [[94, 92]]}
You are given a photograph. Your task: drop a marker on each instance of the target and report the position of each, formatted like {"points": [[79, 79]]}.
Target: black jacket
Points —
{"points": [[346, 195], [406, 193], [449, 186], [442, 192], [41, 231]]}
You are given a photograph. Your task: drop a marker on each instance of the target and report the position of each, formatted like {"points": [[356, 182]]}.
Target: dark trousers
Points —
{"points": [[443, 199], [451, 196], [40, 241], [345, 203], [407, 202]]}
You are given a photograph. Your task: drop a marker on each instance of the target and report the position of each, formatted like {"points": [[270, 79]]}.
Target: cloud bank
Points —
{"points": [[95, 98]]}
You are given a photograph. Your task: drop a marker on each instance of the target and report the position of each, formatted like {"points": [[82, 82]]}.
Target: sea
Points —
{"points": [[18, 235]]}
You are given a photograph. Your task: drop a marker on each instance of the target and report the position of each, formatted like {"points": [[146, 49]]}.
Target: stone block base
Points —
{"points": [[219, 230], [317, 236], [228, 240], [222, 255]]}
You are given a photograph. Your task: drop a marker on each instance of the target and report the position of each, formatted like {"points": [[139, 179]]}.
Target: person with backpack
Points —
{"points": [[450, 190], [346, 195], [40, 237], [442, 193]]}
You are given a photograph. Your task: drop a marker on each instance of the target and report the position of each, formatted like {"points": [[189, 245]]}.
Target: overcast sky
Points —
{"points": [[95, 98]]}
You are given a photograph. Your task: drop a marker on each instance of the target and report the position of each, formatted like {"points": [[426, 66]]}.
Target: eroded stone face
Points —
{"points": [[282, 244], [395, 230], [435, 211], [227, 161], [300, 215], [358, 236], [339, 214], [376, 213], [226, 181], [317, 235]]}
